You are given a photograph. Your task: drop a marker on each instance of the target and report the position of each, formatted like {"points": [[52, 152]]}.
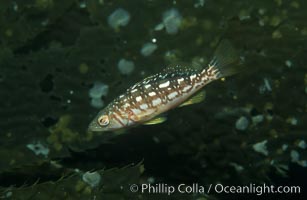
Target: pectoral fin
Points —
{"points": [[199, 97], [157, 120]]}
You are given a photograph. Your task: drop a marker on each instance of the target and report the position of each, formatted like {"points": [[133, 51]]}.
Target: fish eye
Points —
{"points": [[103, 120]]}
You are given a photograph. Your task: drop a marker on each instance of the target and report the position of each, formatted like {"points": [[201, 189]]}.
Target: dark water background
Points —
{"points": [[52, 53]]}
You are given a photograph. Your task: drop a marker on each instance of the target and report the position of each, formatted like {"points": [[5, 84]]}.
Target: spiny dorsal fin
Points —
{"points": [[180, 67], [157, 120], [199, 97]]}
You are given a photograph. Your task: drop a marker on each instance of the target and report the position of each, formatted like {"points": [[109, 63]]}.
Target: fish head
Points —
{"points": [[106, 121]]}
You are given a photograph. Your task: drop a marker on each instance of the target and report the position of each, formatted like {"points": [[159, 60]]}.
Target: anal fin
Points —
{"points": [[157, 120], [199, 97]]}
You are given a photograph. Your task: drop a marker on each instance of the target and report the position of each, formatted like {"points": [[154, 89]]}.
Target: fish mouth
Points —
{"points": [[94, 127]]}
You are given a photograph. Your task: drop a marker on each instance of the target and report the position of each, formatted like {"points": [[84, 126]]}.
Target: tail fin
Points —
{"points": [[225, 61]]}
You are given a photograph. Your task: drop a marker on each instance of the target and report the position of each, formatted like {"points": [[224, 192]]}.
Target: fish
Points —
{"points": [[177, 85]]}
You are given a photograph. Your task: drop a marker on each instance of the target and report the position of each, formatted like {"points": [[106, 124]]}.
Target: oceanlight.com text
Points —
{"points": [[195, 188], [256, 189]]}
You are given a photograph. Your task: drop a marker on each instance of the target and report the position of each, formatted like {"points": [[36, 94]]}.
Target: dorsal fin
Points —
{"points": [[180, 68]]}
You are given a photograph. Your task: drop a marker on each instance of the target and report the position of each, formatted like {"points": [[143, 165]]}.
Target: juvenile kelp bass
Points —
{"points": [[177, 85]]}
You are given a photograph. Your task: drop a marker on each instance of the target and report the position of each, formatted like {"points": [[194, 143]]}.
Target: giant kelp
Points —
{"points": [[77, 186], [53, 51]]}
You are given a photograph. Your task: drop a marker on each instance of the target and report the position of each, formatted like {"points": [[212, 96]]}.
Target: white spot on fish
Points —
{"points": [[144, 106], [134, 90], [147, 86], [126, 105], [204, 78], [139, 98], [192, 76], [136, 111], [186, 88], [163, 85], [152, 94], [172, 95], [161, 76], [156, 102], [180, 80]]}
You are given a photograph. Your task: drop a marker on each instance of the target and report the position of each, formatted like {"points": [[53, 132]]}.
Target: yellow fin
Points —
{"points": [[199, 97], [157, 120]]}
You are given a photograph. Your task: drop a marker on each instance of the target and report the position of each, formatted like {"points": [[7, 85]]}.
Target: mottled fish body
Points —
{"points": [[146, 100]]}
